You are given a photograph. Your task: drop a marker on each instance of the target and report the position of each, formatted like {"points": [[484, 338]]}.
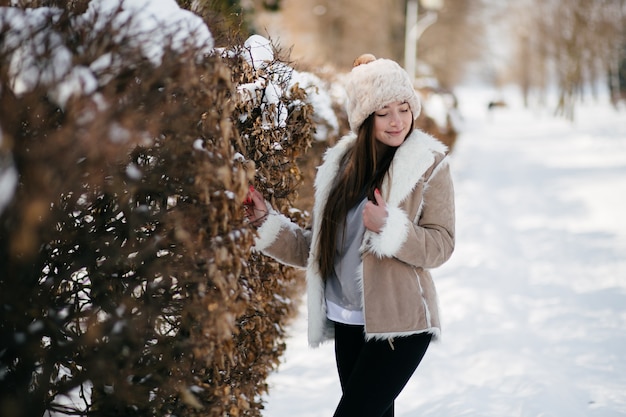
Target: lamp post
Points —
{"points": [[414, 29]]}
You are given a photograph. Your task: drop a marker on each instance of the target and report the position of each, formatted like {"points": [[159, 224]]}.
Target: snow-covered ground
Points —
{"points": [[533, 301]]}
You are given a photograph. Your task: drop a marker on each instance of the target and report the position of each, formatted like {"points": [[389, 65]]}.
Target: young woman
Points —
{"points": [[383, 215]]}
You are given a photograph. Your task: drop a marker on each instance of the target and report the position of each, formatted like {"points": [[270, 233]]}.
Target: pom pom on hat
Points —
{"points": [[374, 83], [363, 59]]}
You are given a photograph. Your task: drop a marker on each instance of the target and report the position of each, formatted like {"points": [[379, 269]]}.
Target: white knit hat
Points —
{"points": [[374, 83]]}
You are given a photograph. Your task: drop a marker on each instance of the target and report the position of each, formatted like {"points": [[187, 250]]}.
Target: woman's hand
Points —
{"points": [[255, 207], [375, 214]]}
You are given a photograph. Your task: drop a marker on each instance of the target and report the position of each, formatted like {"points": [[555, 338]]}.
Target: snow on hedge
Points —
{"points": [[38, 55]]}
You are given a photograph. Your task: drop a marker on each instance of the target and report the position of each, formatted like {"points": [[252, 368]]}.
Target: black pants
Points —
{"points": [[372, 373]]}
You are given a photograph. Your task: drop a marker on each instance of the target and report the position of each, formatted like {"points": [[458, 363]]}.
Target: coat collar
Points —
{"points": [[411, 161]]}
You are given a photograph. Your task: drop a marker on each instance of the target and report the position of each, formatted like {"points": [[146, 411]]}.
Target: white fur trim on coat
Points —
{"points": [[434, 331], [268, 231], [393, 234], [410, 162]]}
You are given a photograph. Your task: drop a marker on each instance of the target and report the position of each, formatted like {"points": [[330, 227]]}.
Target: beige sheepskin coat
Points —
{"points": [[399, 296]]}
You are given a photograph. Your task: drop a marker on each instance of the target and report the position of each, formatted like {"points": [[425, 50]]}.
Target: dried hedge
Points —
{"points": [[127, 282]]}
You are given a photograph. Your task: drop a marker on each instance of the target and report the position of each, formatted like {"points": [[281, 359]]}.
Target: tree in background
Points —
{"points": [[571, 45], [617, 76]]}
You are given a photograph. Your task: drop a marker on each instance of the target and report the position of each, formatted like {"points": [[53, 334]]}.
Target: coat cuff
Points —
{"points": [[269, 230], [393, 235]]}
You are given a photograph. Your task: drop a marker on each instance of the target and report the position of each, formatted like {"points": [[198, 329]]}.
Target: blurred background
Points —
{"points": [[573, 46]]}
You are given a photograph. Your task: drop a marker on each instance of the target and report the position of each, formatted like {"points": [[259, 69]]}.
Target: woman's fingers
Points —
{"points": [[255, 207], [375, 213]]}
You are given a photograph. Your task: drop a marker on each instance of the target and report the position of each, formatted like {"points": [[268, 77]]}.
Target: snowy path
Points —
{"points": [[534, 299]]}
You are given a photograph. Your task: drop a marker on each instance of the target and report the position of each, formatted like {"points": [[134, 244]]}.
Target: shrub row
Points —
{"points": [[128, 286]]}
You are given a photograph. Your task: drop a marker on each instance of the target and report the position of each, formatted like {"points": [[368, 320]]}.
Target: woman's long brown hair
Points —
{"points": [[362, 170]]}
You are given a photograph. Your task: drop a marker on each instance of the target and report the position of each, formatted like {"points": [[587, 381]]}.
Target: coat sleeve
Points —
{"points": [[283, 240], [428, 240]]}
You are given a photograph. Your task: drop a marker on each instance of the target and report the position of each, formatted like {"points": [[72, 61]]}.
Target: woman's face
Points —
{"points": [[392, 123]]}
